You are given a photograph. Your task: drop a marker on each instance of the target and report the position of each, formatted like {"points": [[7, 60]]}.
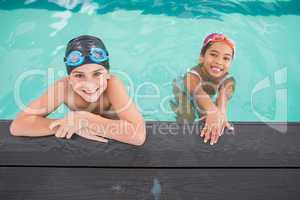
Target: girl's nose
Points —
{"points": [[219, 60], [90, 84]]}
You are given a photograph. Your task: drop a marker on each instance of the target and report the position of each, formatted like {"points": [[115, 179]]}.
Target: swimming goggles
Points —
{"points": [[219, 37], [76, 58]]}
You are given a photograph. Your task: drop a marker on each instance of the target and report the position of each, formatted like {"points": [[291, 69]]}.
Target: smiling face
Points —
{"points": [[89, 81], [217, 59]]}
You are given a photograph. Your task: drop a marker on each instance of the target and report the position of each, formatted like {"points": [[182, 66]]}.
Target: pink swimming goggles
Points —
{"points": [[219, 37]]}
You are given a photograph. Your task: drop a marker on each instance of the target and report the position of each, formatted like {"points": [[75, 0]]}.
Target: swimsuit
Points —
{"points": [[180, 84]]}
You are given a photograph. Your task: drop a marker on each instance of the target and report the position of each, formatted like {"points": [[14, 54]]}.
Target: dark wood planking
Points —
{"points": [[98, 183], [168, 145], [254, 144]]}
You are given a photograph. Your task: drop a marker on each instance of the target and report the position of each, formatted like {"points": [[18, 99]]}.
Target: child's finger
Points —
{"points": [[221, 130], [70, 133], [92, 132], [96, 133], [214, 135], [203, 131], [207, 134], [64, 132], [97, 138], [216, 139], [58, 132], [229, 126], [219, 133], [89, 136], [54, 124]]}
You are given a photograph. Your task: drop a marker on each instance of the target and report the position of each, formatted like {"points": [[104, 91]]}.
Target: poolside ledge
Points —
{"points": [[256, 161]]}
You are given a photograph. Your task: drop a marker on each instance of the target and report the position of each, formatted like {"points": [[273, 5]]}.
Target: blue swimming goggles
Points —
{"points": [[76, 58]]}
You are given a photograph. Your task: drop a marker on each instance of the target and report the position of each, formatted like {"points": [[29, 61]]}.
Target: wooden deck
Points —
{"points": [[258, 161]]}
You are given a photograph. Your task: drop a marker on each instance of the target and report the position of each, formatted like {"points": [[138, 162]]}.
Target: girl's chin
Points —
{"points": [[91, 99]]}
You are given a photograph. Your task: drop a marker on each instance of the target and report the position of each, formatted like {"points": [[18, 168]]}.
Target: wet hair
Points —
{"points": [[205, 48]]}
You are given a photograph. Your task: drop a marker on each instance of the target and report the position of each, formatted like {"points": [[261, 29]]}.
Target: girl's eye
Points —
{"points": [[97, 74], [226, 58], [213, 54], [78, 75]]}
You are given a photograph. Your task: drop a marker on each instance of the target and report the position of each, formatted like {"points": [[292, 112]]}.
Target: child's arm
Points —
{"points": [[131, 126], [213, 126], [224, 96], [194, 87], [32, 120]]}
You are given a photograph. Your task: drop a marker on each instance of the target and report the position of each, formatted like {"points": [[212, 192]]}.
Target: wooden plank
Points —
{"points": [[34, 183], [168, 145]]}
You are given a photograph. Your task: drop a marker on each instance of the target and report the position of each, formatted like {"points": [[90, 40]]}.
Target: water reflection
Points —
{"points": [[178, 8]]}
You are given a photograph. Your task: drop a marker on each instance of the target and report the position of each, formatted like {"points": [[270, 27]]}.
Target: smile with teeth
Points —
{"points": [[88, 92], [216, 69]]}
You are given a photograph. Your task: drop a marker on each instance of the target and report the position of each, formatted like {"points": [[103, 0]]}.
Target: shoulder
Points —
{"points": [[116, 92], [59, 89], [228, 86], [48, 101], [192, 78], [58, 86], [228, 81], [115, 85], [114, 81], [194, 74]]}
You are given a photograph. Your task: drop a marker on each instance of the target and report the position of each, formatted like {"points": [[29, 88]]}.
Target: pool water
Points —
{"points": [[151, 43]]}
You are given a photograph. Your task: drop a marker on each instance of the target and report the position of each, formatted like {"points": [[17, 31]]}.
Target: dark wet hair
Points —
{"points": [[205, 48], [83, 44]]}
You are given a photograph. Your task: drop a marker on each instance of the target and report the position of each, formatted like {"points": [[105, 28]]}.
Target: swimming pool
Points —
{"points": [[150, 44]]}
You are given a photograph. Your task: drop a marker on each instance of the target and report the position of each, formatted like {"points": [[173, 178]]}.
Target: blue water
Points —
{"points": [[150, 44]]}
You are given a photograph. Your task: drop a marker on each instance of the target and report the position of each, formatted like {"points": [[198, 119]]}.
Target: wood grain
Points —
{"points": [[168, 145]]}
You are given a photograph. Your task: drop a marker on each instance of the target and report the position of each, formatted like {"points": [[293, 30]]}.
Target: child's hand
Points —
{"points": [[68, 125], [215, 124], [91, 135], [74, 122], [227, 125]]}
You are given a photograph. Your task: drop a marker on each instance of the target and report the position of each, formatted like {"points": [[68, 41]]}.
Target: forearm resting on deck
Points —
{"points": [[31, 125]]}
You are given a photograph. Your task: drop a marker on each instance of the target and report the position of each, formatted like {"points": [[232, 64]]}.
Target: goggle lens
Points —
{"points": [[98, 55], [76, 58]]}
